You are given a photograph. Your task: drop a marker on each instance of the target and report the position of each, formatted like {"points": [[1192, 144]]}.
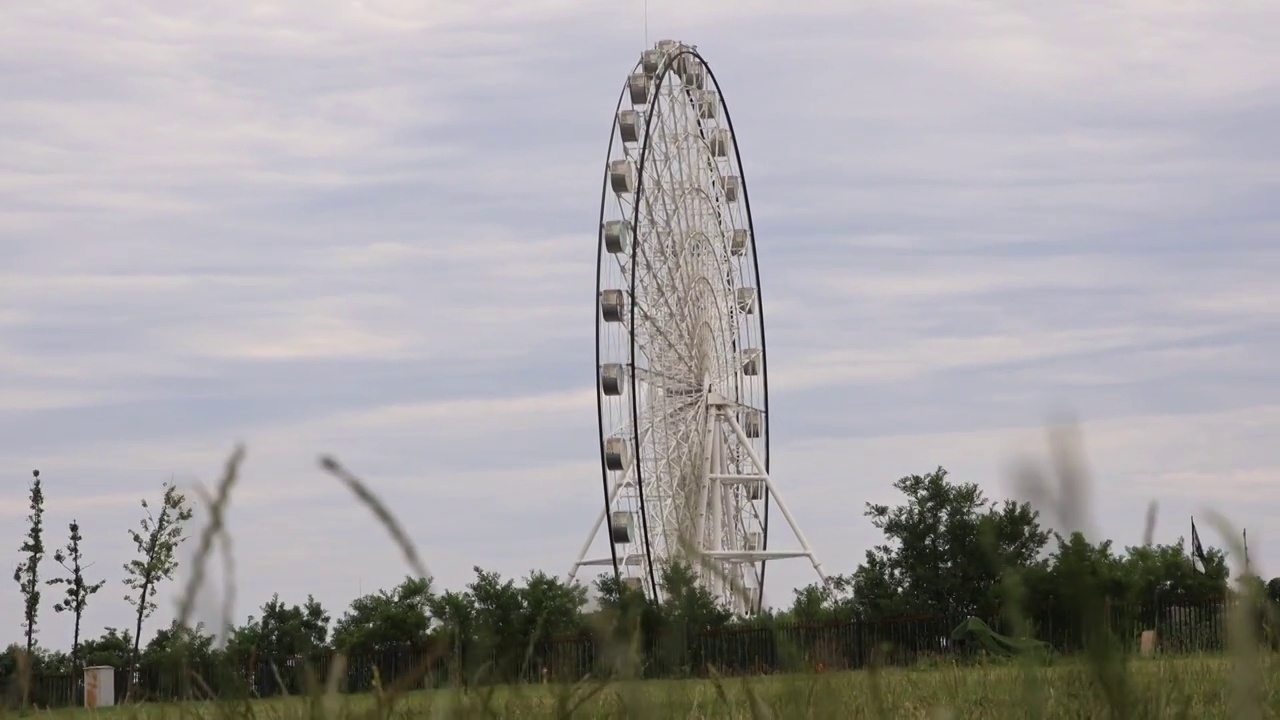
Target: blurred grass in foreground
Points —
{"points": [[1197, 687]]}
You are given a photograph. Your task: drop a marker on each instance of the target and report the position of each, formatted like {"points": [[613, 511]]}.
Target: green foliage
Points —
{"points": [[77, 593], [948, 551], [687, 602], [157, 543], [114, 647], [551, 608], [381, 620], [1273, 590], [27, 573], [456, 614], [177, 646], [946, 547], [281, 631], [498, 621], [496, 631]]}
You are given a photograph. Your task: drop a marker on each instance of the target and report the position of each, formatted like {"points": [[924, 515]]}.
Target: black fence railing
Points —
{"points": [[740, 650]]}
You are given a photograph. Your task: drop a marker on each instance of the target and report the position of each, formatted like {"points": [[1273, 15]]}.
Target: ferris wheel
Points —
{"points": [[682, 379]]}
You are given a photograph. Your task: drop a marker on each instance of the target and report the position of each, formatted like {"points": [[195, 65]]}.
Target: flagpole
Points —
{"points": [[1191, 546], [1197, 550]]}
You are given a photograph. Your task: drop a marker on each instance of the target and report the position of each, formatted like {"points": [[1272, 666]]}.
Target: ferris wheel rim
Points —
{"points": [[634, 434], [604, 199]]}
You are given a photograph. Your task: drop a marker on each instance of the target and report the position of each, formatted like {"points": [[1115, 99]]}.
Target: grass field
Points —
{"points": [[1194, 688]]}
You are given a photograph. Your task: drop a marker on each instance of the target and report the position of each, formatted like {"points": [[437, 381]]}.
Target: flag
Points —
{"points": [[1197, 550]]}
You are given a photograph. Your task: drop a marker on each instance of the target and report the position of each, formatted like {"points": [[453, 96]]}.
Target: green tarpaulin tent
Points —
{"points": [[977, 635]]}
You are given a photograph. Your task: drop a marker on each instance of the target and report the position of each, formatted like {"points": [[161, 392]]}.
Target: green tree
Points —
{"points": [[829, 601], [946, 548], [880, 586], [288, 631], [1065, 594], [27, 574], [1076, 562], [624, 619], [157, 543], [385, 619], [18, 671], [625, 613], [687, 602], [552, 607], [114, 648], [687, 610], [456, 614], [76, 596], [1163, 575], [498, 629], [179, 647]]}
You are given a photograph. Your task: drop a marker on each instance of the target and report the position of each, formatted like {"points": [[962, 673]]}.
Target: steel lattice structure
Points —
{"points": [[680, 353]]}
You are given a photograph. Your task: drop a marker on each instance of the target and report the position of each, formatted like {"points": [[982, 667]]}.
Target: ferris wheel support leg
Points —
{"points": [[595, 529], [586, 546], [777, 497], [700, 520], [717, 514]]}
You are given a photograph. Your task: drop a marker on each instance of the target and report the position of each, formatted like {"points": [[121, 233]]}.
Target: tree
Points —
{"points": [[385, 619], [498, 612], [625, 614], [947, 548], [1163, 575], [27, 574], [113, 648], [78, 591], [157, 544], [687, 602], [1070, 588], [287, 631], [1273, 590], [551, 606], [829, 601], [178, 646], [456, 613]]}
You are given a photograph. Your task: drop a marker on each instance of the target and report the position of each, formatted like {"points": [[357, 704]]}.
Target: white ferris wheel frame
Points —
{"points": [[682, 373]]}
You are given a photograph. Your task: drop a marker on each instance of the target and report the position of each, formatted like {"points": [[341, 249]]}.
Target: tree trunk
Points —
{"points": [[75, 639], [137, 635], [31, 622]]}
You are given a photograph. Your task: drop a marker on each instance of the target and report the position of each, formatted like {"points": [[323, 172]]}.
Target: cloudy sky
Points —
{"points": [[368, 228]]}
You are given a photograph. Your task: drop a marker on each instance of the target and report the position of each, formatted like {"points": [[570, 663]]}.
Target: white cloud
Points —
{"points": [[930, 355], [317, 329]]}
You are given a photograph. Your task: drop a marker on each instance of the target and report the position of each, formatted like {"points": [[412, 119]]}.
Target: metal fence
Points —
{"points": [[670, 654]]}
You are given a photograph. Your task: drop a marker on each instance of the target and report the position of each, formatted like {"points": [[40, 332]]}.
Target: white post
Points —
{"points": [[99, 686]]}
